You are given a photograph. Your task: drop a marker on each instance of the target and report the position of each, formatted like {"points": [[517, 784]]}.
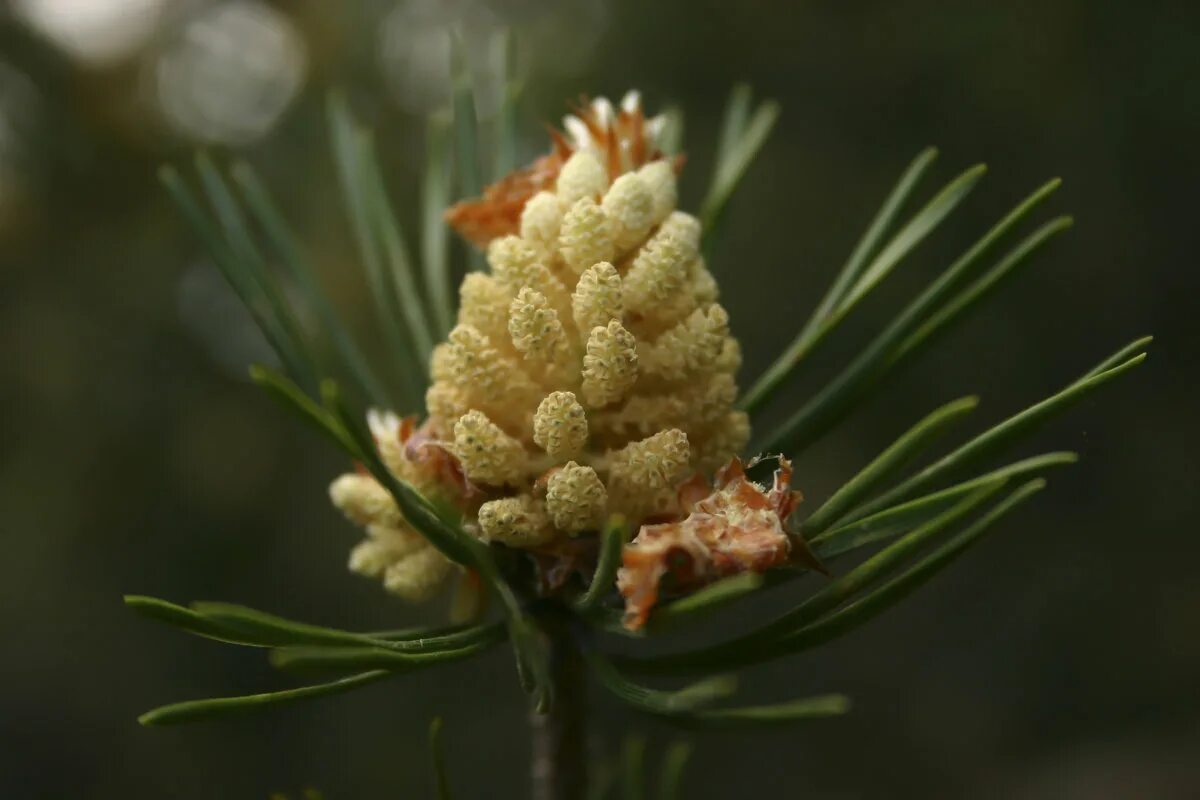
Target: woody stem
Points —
{"points": [[559, 763]]}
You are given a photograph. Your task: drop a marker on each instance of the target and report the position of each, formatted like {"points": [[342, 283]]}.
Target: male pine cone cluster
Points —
{"points": [[590, 373]]}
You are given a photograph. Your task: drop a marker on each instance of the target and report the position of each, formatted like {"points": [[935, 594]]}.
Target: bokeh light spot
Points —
{"points": [[95, 31], [230, 73]]}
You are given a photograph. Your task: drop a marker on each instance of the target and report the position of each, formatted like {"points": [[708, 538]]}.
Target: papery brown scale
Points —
{"points": [[736, 527], [498, 211], [636, 121], [582, 109], [612, 151], [555, 564], [432, 457], [406, 428], [692, 491], [559, 144]]}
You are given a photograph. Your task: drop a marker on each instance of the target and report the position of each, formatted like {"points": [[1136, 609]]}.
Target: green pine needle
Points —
{"points": [[885, 524], [907, 238], [689, 706], [363, 209], [660, 702], [633, 768], [883, 598], [670, 778], [857, 280], [238, 275], [998, 437], [186, 619], [269, 629], [741, 140], [435, 197], [807, 708], [705, 600], [369, 658], [613, 538], [198, 710], [941, 321], [466, 135], [733, 124], [247, 626], [250, 260], [867, 247], [506, 118], [899, 454], [466, 127], [1120, 357], [898, 339], [395, 248], [901, 339], [670, 139], [302, 271], [297, 403]]}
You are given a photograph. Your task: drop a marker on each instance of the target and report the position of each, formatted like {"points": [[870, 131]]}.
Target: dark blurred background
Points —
{"points": [[1058, 660]]}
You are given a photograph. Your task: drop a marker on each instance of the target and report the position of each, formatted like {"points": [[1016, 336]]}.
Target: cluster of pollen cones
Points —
{"points": [[590, 374]]}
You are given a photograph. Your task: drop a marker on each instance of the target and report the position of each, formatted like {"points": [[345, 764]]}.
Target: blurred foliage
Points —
{"points": [[1057, 661]]}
